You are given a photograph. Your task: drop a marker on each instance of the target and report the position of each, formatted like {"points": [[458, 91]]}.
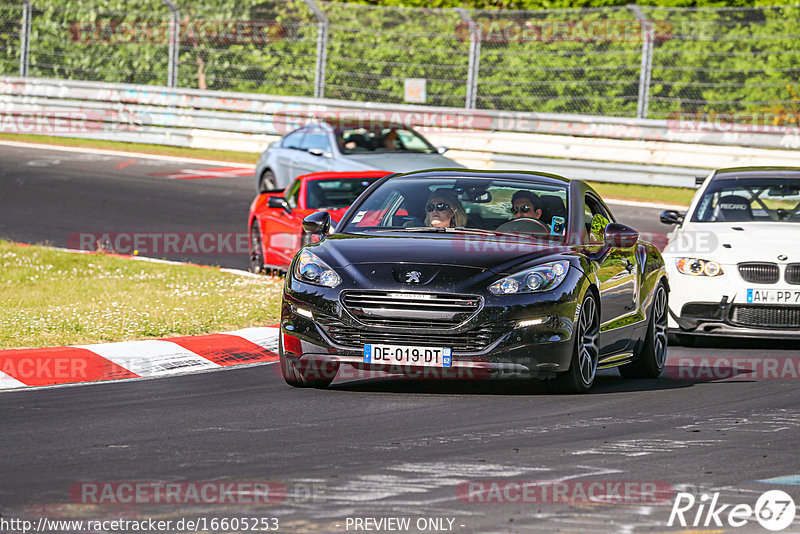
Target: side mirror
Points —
{"points": [[441, 149], [620, 236], [671, 217], [317, 223], [279, 202]]}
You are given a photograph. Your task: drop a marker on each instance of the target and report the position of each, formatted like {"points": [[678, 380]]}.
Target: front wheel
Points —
{"points": [[267, 181], [256, 249], [585, 352], [651, 358], [305, 374]]}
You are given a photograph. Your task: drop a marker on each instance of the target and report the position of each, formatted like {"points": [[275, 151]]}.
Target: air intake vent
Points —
{"points": [[793, 273], [759, 273], [768, 316], [410, 310]]}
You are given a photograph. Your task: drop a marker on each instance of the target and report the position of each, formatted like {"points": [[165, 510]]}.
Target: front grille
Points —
{"points": [[701, 310], [471, 341], [792, 274], [410, 310], [759, 273], [774, 316]]}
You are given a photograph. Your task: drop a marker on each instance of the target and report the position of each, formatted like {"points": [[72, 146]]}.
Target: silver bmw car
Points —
{"points": [[346, 146]]}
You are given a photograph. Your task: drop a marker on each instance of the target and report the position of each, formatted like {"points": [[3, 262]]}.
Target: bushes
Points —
{"points": [[707, 60]]}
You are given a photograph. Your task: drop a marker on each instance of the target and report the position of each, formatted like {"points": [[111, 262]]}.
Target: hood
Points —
{"points": [[499, 254], [403, 162], [733, 243]]}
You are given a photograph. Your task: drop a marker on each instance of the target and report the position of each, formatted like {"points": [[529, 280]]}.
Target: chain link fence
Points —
{"points": [[618, 61]]}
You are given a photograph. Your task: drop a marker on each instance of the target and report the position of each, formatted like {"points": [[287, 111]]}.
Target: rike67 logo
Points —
{"points": [[774, 510]]}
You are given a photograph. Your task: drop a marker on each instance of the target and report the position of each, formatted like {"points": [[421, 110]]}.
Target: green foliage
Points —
{"points": [[585, 59]]}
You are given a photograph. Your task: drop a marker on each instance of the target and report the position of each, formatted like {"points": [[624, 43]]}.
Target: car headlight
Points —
{"points": [[540, 278], [698, 267], [312, 270]]}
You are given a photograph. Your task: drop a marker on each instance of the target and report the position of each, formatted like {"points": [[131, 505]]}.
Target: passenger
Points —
{"points": [[444, 210], [525, 204], [391, 141]]}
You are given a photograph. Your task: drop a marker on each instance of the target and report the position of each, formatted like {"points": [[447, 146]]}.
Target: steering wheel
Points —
{"points": [[524, 225]]}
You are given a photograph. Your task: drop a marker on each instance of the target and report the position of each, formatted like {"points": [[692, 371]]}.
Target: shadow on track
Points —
{"points": [[604, 383]]}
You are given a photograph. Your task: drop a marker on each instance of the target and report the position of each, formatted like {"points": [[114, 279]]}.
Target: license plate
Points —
{"points": [[773, 296], [402, 355]]}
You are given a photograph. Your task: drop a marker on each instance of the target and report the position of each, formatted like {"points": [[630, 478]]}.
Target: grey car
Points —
{"points": [[341, 147]]}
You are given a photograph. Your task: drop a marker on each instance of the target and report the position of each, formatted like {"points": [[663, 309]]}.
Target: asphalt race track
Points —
{"points": [[372, 449], [50, 195]]}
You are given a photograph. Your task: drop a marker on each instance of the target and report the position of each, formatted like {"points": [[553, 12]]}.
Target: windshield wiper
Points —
{"points": [[433, 229]]}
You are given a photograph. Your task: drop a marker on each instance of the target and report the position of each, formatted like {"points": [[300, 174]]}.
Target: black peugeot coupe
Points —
{"points": [[463, 274]]}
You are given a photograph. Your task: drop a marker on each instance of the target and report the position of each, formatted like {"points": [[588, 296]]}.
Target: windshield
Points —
{"points": [[465, 204], [381, 141], [750, 199], [335, 194]]}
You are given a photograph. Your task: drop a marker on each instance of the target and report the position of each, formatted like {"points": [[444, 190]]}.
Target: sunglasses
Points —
{"points": [[523, 209], [440, 206]]}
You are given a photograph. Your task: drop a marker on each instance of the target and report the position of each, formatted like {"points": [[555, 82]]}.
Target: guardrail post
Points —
{"points": [[174, 42], [322, 48], [25, 38], [646, 68], [474, 58]]}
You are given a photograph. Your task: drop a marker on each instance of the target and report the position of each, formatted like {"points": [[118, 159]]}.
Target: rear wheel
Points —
{"points": [[256, 249], [585, 352], [651, 358], [267, 181], [302, 374]]}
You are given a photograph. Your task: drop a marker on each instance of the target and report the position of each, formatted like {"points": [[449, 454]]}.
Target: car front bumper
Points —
{"points": [[717, 306], [498, 341]]}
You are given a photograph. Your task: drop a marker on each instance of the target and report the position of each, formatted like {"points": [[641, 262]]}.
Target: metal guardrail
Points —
{"points": [[612, 149]]}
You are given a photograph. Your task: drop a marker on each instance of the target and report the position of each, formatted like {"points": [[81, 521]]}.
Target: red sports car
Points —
{"points": [[276, 217]]}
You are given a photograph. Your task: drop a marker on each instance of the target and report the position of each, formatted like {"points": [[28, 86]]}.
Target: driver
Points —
{"points": [[525, 204]]}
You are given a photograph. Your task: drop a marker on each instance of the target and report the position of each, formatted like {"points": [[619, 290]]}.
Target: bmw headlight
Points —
{"points": [[312, 270], [540, 278], [698, 267]]}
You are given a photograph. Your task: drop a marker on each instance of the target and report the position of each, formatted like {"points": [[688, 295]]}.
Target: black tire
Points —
{"points": [[267, 181], [585, 351], [652, 356], [256, 249], [300, 375]]}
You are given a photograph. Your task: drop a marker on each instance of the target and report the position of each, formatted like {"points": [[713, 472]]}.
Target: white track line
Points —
{"points": [[151, 357], [83, 150]]}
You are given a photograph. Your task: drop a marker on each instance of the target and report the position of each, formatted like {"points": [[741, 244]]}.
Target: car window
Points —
{"points": [[292, 193], [335, 194], [750, 199], [482, 204], [315, 138], [595, 217], [380, 140], [292, 140]]}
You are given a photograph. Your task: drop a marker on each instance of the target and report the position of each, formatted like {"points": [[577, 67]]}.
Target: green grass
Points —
{"points": [[645, 193], [162, 150], [54, 298]]}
